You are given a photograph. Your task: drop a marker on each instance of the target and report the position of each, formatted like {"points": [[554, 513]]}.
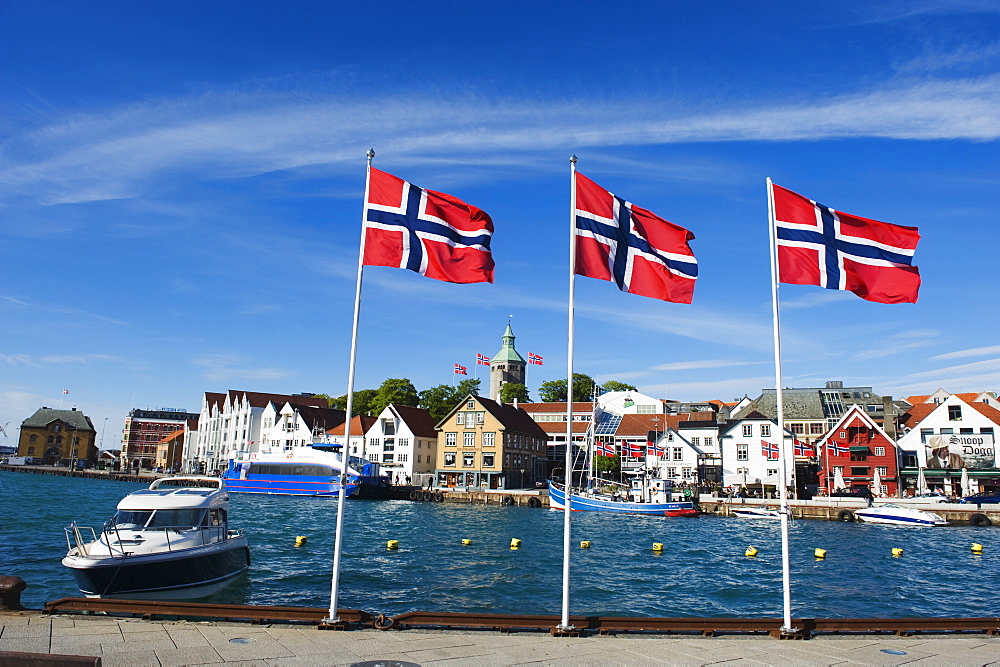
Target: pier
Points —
{"points": [[843, 509]]}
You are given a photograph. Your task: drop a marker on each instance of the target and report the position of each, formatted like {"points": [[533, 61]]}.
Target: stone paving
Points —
{"points": [[133, 642]]}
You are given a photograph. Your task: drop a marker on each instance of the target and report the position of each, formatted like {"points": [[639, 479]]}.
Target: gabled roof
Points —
{"points": [[917, 414], [854, 414], [74, 419], [322, 419], [987, 411], [173, 435], [640, 425], [359, 425], [512, 418], [259, 400], [559, 428], [418, 420]]}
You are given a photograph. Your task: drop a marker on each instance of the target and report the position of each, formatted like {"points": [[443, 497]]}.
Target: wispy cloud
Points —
{"points": [[27, 303], [120, 153], [59, 359], [971, 352], [703, 364], [899, 343], [223, 368], [813, 299]]}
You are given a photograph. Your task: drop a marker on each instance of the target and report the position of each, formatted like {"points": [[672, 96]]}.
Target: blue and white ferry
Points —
{"points": [[305, 471]]}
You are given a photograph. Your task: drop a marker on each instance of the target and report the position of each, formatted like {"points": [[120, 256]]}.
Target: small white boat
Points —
{"points": [[899, 516], [168, 542], [753, 512]]}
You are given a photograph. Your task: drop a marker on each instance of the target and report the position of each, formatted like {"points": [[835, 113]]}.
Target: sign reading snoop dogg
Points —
{"points": [[965, 450]]}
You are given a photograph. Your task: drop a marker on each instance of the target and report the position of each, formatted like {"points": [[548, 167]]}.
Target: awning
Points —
{"points": [[860, 449]]}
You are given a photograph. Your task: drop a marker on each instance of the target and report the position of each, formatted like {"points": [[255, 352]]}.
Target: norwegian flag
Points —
{"points": [[434, 234], [770, 450], [834, 449], [803, 449], [534, 359], [652, 448], [604, 448], [820, 246], [460, 370], [638, 250], [631, 449], [482, 360]]}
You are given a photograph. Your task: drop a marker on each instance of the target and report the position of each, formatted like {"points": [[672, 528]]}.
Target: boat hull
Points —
{"points": [[906, 517], [756, 514], [176, 575], [285, 487], [557, 500]]}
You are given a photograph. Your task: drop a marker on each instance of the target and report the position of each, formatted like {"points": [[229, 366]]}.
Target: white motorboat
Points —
{"points": [[900, 516], [753, 512], [168, 542]]}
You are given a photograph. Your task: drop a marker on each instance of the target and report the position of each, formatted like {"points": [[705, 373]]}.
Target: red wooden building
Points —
{"points": [[859, 448]]}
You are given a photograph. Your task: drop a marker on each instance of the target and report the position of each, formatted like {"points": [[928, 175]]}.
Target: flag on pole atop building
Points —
{"points": [[435, 234], [65, 391], [638, 250], [833, 449], [482, 360], [603, 448], [534, 359], [770, 450], [460, 370], [631, 449], [820, 246], [652, 447]]}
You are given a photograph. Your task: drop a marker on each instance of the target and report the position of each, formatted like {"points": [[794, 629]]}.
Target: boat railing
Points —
{"points": [[74, 534], [206, 534]]}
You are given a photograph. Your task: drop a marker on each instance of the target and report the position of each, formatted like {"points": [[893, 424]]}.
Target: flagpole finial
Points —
{"points": [[370, 153], [572, 159]]}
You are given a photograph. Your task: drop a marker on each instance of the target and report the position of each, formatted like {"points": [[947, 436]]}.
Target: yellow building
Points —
{"points": [[485, 444], [169, 451], [58, 436]]}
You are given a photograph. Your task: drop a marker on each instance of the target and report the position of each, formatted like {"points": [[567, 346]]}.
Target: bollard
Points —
{"points": [[10, 593]]}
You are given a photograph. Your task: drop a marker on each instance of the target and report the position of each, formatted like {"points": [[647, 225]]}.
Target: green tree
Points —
{"points": [[362, 401], [394, 390], [615, 385], [555, 390], [513, 390], [439, 400], [605, 464]]}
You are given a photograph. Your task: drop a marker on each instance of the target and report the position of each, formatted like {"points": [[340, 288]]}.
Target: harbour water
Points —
{"points": [[701, 572]]}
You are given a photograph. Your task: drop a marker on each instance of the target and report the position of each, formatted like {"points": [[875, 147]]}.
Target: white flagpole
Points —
{"points": [[783, 445], [564, 624], [333, 617]]}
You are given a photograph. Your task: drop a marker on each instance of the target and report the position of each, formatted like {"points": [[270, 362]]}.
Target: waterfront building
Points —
{"points": [[284, 425], [749, 448], [170, 451], [703, 436], [403, 440], [229, 426], [965, 425], [360, 425], [506, 366], [865, 448], [144, 429], [58, 436], [551, 418], [809, 413], [482, 443]]}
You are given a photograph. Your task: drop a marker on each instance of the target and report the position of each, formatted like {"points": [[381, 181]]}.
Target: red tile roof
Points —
{"points": [[417, 419], [578, 406], [640, 425], [916, 414], [987, 411], [359, 426], [557, 428]]}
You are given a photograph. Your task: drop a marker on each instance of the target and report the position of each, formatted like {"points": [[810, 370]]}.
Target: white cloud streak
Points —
{"points": [[971, 352]]}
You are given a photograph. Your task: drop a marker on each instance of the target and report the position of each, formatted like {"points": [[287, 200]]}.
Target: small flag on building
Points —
{"points": [[631, 449], [770, 450], [482, 360], [833, 449], [534, 359], [65, 391], [804, 449], [460, 370]]}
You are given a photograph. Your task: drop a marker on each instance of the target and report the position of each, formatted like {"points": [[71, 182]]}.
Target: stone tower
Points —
{"points": [[506, 366]]}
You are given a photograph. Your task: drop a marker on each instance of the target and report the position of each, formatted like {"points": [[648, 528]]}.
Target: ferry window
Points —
{"points": [[741, 453], [765, 431], [176, 518], [747, 430], [449, 458]]}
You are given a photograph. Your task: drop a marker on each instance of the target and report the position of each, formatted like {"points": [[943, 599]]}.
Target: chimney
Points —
{"points": [[515, 401]]}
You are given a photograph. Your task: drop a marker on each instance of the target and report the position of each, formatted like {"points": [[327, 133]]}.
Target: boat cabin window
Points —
{"points": [[132, 519], [216, 517], [176, 518]]}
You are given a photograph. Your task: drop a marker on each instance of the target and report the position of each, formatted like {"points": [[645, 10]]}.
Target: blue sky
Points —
{"points": [[181, 185]]}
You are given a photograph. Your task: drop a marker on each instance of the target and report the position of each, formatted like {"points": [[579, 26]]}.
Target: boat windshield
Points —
{"points": [[167, 518]]}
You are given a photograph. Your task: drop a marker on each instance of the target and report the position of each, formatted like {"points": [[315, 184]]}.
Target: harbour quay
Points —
{"points": [[836, 509]]}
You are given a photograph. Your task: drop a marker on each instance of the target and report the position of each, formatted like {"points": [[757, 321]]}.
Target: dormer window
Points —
{"points": [[470, 405], [955, 413]]}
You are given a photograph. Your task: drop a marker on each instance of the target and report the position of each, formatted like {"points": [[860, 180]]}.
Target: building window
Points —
{"points": [[696, 441], [402, 458], [403, 442], [882, 470], [469, 439], [460, 419], [373, 457], [843, 434], [985, 429], [772, 472], [33, 439], [765, 431], [955, 413], [375, 441], [480, 417], [489, 439], [678, 453], [671, 472], [880, 451], [686, 473], [858, 471], [872, 408], [470, 405], [709, 441], [387, 458], [488, 459], [31, 451], [645, 409], [947, 431], [449, 458], [389, 446], [816, 428], [468, 459], [798, 429], [741, 453], [450, 439], [748, 430], [859, 456]]}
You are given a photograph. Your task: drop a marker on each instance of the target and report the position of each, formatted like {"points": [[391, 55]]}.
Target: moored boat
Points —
{"points": [[655, 503], [304, 471], [900, 516], [753, 512], [169, 542]]}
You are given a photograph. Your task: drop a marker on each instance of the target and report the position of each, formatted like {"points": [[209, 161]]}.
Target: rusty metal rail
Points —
{"points": [[605, 625]]}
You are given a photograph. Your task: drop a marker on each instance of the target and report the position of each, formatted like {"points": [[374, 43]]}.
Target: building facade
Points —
{"points": [[144, 429], [857, 453], [403, 440], [58, 437]]}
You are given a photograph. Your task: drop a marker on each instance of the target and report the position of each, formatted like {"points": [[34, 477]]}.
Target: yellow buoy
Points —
{"points": [[300, 540], [977, 548], [751, 552], [466, 542], [820, 553], [514, 543], [584, 544], [657, 546], [897, 552], [392, 545]]}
